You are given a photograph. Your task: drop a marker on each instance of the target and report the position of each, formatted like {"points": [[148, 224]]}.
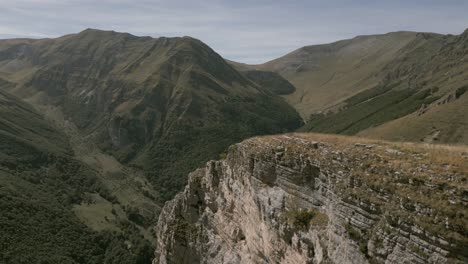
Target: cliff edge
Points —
{"points": [[309, 198]]}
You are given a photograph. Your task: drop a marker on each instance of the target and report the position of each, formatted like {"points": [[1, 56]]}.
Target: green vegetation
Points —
{"points": [[40, 182], [186, 146], [418, 251], [319, 220], [271, 81], [161, 107], [38, 225], [370, 108], [401, 86], [461, 91], [166, 112], [361, 238], [303, 219], [222, 156], [353, 233], [324, 75]]}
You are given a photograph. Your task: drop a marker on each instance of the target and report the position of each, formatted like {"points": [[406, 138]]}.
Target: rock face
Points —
{"points": [[320, 199]]}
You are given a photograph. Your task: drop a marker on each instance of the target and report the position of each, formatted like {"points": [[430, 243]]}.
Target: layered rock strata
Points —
{"points": [[320, 199]]}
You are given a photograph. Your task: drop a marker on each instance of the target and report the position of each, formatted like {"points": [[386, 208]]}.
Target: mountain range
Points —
{"points": [[98, 129]]}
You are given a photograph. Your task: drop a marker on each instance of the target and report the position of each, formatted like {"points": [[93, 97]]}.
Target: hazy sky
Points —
{"points": [[251, 31]]}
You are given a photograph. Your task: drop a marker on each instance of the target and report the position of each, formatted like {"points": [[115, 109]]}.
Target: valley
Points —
{"points": [[116, 148], [139, 114]]}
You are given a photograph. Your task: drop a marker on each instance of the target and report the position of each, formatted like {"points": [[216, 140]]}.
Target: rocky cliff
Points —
{"points": [[304, 198]]}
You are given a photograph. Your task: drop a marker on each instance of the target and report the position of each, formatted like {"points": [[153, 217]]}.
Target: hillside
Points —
{"points": [[311, 198], [162, 105], [421, 98], [446, 118], [404, 86], [41, 185], [326, 74], [99, 129], [107, 128]]}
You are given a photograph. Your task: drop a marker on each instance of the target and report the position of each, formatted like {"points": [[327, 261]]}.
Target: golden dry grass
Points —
{"points": [[405, 155], [420, 184]]}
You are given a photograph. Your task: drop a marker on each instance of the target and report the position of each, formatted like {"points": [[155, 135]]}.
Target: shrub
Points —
{"points": [[300, 218]]}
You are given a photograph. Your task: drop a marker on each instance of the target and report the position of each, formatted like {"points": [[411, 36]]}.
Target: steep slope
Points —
{"points": [[403, 86], [307, 198], [163, 105], [25, 136], [446, 119], [271, 80], [423, 92], [326, 74], [41, 183]]}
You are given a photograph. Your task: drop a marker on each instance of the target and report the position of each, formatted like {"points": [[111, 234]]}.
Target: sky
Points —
{"points": [[249, 31]]}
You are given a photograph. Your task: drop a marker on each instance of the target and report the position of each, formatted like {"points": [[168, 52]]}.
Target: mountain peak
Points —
{"points": [[465, 33], [100, 32]]}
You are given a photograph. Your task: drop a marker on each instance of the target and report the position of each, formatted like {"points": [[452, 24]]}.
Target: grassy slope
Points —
{"points": [[445, 120], [24, 134], [270, 80], [399, 86], [375, 111], [402, 86], [422, 97], [447, 123], [324, 75]]}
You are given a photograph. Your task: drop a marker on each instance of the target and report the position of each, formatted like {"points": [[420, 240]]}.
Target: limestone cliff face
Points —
{"points": [[320, 199]]}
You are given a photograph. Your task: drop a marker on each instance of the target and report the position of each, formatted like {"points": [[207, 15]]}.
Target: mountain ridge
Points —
{"points": [[335, 82], [99, 129], [131, 94]]}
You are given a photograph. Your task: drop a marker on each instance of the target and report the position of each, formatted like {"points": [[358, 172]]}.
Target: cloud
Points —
{"points": [[243, 30]]}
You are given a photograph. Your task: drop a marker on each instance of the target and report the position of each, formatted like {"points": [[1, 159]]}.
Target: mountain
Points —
{"points": [[273, 81], [99, 128], [326, 74], [404, 86], [443, 71], [162, 105], [422, 97], [310, 198]]}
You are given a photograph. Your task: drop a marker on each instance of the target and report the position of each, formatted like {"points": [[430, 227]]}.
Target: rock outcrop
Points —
{"points": [[321, 199]]}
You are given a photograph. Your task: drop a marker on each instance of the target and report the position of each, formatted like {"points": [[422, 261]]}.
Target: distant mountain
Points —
{"points": [[401, 86], [326, 74]]}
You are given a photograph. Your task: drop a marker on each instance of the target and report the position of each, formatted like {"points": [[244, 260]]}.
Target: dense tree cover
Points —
{"points": [[188, 146], [38, 226]]}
